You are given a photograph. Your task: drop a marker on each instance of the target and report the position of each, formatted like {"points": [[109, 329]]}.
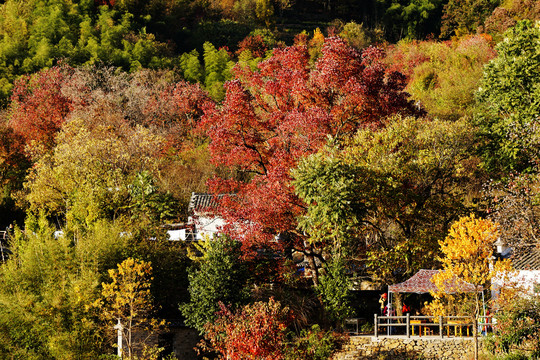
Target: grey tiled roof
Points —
{"points": [[526, 258], [201, 202]]}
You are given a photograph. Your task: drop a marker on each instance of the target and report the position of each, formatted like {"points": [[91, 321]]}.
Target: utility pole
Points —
{"points": [[119, 329]]}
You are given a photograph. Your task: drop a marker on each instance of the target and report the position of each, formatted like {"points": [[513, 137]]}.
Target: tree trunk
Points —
{"points": [[310, 257], [313, 267], [476, 338], [398, 297], [475, 330]]}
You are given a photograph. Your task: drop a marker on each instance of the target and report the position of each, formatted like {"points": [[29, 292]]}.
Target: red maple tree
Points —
{"points": [[38, 108], [287, 109]]}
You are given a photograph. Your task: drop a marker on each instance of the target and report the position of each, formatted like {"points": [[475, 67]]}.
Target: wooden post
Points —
{"points": [[441, 328], [376, 326], [408, 325]]}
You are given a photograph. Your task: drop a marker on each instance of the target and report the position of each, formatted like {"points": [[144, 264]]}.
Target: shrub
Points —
{"points": [[257, 331], [314, 344]]}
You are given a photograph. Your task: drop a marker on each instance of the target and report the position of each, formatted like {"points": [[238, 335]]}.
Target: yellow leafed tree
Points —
{"points": [[128, 299], [468, 268]]}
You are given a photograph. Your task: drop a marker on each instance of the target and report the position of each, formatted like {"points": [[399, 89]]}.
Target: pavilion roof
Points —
{"points": [[421, 283]]}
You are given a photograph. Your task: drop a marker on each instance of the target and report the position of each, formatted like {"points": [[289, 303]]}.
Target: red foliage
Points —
{"points": [[38, 108], [109, 3], [288, 109], [256, 331], [406, 58], [255, 44], [176, 110], [41, 103], [13, 163]]}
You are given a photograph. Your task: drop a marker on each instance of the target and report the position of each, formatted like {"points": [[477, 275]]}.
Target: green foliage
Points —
{"points": [[334, 289], [313, 344], [215, 71], [191, 66], [36, 34], [389, 194], [514, 356], [517, 328], [50, 296], [443, 75], [92, 175], [508, 100], [463, 17], [148, 204], [217, 65], [328, 186], [169, 269], [47, 289], [356, 35], [218, 276], [411, 19]]}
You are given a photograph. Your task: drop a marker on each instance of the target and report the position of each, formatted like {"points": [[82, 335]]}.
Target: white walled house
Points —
{"points": [[202, 219], [202, 215], [526, 263]]}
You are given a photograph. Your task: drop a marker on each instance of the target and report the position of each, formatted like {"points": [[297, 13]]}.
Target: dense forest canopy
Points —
{"points": [[344, 137]]}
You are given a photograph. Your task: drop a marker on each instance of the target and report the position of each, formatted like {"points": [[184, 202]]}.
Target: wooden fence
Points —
{"points": [[441, 326]]}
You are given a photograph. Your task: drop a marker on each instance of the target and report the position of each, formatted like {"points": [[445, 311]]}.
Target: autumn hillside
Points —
{"points": [[340, 142]]}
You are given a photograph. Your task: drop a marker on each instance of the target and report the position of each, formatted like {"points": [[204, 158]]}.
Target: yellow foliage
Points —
{"points": [[201, 248], [264, 11], [467, 263], [468, 249], [89, 171], [127, 298], [316, 44], [318, 38]]}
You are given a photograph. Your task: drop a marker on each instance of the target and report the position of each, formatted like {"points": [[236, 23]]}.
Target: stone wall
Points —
{"points": [[402, 348]]}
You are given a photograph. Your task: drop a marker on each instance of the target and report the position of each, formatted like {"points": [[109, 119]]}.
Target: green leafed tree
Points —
{"points": [[217, 66], [508, 101], [192, 67], [218, 276], [212, 70], [411, 19], [335, 289], [389, 195]]}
